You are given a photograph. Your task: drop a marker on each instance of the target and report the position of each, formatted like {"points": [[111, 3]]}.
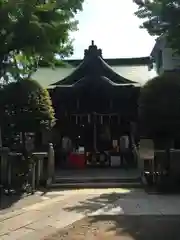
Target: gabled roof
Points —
{"points": [[93, 66]]}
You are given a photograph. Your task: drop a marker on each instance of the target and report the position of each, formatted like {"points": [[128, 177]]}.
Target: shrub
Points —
{"points": [[159, 106]]}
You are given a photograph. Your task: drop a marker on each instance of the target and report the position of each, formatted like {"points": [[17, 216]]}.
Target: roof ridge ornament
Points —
{"points": [[93, 51]]}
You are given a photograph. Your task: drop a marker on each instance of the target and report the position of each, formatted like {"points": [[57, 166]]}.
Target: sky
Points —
{"points": [[113, 27]]}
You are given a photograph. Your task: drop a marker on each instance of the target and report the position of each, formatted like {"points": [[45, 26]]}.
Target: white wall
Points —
{"points": [[170, 61]]}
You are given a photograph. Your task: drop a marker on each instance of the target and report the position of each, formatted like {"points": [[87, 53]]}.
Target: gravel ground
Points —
{"points": [[122, 227]]}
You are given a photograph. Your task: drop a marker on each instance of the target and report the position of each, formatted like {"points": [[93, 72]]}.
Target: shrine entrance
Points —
{"points": [[94, 107], [96, 136], [96, 131]]}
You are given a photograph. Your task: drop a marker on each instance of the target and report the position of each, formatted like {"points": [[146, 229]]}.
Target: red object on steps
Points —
{"points": [[77, 160]]}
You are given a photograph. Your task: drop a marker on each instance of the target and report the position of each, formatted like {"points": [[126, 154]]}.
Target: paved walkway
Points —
{"points": [[14, 202], [27, 221], [142, 204], [41, 219]]}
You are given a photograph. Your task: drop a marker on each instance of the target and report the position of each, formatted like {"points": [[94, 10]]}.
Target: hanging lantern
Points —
{"points": [[101, 119]]}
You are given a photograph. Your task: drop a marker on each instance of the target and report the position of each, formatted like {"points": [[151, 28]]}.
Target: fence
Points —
{"points": [[159, 166], [12, 164]]}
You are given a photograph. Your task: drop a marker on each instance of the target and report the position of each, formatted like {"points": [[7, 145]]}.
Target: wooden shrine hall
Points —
{"points": [[94, 105]]}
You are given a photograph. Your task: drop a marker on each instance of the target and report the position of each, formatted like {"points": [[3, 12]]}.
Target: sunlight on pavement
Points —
{"points": [[108, 190], [86, 191]]}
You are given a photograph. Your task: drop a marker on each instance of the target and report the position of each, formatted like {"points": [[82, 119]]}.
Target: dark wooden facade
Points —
{"points": [[94, 96]]}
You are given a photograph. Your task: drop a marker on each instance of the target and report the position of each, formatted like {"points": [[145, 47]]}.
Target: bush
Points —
{"points": [[26, 107], [159, 106]]}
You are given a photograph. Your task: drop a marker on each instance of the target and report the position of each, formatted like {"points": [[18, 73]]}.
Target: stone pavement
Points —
{"points": [[46, 217], [14, 202], [142, 204]]}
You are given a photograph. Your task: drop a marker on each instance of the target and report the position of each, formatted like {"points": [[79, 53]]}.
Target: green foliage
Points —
{"points": [[161, 17], [32, 30], [27, 106], [159, 106]]}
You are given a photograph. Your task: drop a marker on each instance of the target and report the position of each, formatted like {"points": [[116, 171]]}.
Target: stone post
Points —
{"points": [[146, 153], [50, 165]]}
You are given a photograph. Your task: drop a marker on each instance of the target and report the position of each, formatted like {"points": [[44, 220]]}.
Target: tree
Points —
{"points": [[159, 106], [32, 30], [161, 17], [27, 107]]}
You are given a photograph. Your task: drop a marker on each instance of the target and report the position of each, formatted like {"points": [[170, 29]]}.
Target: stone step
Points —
{"points": [[95, 180], [96, 185]]}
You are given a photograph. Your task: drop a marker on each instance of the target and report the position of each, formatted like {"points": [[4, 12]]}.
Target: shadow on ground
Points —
{"points": [[17, 201], [94, 203], [6, 201], [147, 227]]}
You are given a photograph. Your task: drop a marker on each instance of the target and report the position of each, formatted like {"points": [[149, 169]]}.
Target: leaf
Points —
{"points": [[33, 110], [30, 27], [161, 17]]}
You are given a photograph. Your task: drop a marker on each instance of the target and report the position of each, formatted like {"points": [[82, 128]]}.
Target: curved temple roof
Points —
{"points": [[93, 66], [103, 81]]}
